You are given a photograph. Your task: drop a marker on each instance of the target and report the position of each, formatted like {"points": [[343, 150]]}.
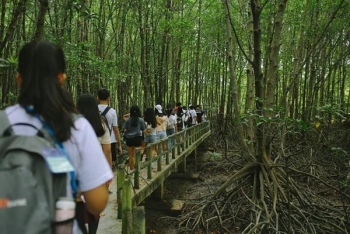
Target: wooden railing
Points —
{"points": [[172, 157]]}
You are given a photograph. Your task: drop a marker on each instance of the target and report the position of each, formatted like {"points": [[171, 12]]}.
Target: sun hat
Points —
{"points": [[159, 108]]}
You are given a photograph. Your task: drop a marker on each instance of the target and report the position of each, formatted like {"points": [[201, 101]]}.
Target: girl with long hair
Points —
{"points": [[43, 101], [87, 106], [149, 116], [133, 128]]}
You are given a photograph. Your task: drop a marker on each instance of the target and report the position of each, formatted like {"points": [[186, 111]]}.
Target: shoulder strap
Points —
{"points": [[105, 111]]}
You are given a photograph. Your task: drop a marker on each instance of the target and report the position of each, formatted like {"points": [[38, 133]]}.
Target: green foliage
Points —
{"points": [[7, 63], [328, 111], [214, 156], [11, 97], [80, 57]]}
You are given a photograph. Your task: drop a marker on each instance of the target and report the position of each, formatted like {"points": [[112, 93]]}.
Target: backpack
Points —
{"points": [[29, 190], [189, 119], [104, 119]]}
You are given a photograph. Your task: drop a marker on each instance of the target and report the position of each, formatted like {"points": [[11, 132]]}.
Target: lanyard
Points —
{"points": [[73, 181]]}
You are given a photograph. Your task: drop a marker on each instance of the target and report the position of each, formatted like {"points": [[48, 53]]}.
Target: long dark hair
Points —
{"points": [[87, 105], [135, 114], [150, 116], [169, 111], [39, 65]]}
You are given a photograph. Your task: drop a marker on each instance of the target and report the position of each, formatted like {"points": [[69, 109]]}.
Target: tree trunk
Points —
{"points": [[235, 99], [12, 26], [44, 4]]}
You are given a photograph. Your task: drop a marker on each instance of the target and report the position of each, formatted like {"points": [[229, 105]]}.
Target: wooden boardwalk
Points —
{"points": [[148, 178]]}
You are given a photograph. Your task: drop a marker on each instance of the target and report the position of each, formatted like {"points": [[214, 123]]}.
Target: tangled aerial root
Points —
{"points": [[306, 193], [265, 199]]}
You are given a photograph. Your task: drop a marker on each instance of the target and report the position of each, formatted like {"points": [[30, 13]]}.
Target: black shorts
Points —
{"points": [[134, 141]]}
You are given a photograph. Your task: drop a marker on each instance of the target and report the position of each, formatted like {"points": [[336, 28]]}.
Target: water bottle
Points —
{"points": [[65, 211]]}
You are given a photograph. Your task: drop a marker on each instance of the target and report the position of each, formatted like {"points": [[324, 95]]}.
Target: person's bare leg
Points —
{"points": [[130, 155], [131, 158], [144, 151], [155, 150], [164, 146]]}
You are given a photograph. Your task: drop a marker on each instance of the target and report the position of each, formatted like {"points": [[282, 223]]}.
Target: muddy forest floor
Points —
{"points": [[322, 153], [184, 188]]}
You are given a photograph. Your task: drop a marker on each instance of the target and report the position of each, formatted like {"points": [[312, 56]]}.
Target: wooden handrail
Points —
{"points": [[184, 142]]}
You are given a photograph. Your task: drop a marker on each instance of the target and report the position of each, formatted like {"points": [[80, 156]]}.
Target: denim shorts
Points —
{"points": [[150, 138], [161, 135]]}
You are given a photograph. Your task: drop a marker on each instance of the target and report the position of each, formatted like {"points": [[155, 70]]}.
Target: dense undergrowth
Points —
{"points": [[305, 191]]}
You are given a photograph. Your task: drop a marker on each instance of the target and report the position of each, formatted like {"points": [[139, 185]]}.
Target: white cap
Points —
{"points": [[159, 108]]}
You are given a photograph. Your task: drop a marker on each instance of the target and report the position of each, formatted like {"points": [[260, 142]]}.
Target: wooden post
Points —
{"points": [[149, 161], [137, 169], [182, 166], [167, 161], [120, 184], [127, 207], [159, 192], [173, 153], [159, 155], [139, 220]]}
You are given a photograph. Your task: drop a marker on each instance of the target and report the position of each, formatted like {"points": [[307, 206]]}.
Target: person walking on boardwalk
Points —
{"points": [[87, 106], [161, 124], [110, 113], [133, 128], [171, 125], [43, 102], [151, 122]]}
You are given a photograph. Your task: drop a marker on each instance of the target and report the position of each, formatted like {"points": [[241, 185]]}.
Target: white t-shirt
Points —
{"points": [[106, 138], [83, 148], [152, 131], [193, 114], [112, 119], [172, 120]]}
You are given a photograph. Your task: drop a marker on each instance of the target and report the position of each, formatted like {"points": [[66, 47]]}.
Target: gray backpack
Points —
{"points": [[28, 190]]}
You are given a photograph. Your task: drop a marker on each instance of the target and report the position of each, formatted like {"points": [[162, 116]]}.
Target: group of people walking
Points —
{"points": [[140, 130], [157, 124], [82, 144], [87, 130]]}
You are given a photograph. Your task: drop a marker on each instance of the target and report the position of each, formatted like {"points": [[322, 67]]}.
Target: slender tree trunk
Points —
{"points": [[233, 81], [259, 78], [12, 26], [195, 80], [44, 4]]}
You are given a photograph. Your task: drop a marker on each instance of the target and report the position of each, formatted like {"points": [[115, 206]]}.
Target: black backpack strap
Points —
{"points": [[103, 114], [105, 111]]}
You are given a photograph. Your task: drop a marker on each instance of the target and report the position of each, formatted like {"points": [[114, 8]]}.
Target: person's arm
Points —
{"points": [[96, 199], [117, 136], [125, 116], [108, 153]]}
